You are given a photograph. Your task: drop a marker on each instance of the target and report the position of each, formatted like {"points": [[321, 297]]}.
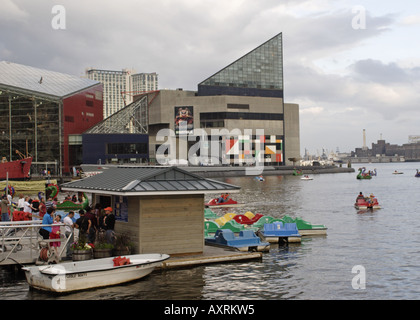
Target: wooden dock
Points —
{"points": [[210, 255]]}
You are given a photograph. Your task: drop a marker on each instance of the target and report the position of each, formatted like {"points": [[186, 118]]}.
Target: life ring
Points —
{"points": [[43, 254]]}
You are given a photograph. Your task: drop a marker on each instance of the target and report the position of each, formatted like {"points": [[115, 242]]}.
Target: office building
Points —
{"points": [[120, 86]]}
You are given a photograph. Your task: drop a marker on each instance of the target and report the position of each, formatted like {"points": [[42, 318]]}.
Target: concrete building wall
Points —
{"points": [[282, 122], [292, 132]]}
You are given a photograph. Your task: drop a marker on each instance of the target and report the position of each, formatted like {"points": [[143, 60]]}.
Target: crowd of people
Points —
{"points": [[89, 222]]}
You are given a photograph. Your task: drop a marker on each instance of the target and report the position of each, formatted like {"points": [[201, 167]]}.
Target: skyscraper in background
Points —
{"points": [[120, 86]]}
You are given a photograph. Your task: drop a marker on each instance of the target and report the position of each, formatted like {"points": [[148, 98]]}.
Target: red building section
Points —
{"points": [[81, 111]]}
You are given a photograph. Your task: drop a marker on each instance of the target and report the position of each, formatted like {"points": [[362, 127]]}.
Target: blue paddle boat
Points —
{"points": [[246, 241], [277, 232]]}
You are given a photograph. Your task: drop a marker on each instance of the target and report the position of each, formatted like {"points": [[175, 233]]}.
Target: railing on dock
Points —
{"points": [[20, 241]]}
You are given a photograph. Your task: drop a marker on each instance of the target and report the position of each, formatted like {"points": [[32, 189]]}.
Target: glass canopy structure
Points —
{"points": [[258, 73], [131, 119]]}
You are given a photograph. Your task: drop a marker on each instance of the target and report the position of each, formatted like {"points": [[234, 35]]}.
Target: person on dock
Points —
{"points": [[109, 223], [93, 223], [68, 231], [42, 208], [46, 222], [55, 233], [83, 224], [4, 209], [27, 207], [50, 203], [21, 202]]}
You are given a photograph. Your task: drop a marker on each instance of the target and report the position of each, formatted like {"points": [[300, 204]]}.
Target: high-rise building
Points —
{"points": [[143, 82], [120, 86]]}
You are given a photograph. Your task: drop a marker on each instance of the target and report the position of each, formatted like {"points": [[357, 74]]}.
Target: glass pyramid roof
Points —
{"points": [[42, 81], [262, 68]]}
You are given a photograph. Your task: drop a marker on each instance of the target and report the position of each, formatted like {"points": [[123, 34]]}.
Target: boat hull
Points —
{"points": [[214, 204], [313, 232], [288, 239], [15, 170], [361, 207], [76, 276]]}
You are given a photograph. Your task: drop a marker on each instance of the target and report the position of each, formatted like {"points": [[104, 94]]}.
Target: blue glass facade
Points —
{"points": [[121, 148]]}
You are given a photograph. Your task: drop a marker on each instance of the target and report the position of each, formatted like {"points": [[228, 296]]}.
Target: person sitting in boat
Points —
{"points": [[360, 196], [222, 198]]}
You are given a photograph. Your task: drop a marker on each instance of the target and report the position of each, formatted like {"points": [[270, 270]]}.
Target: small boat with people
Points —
{"points": [[306, 177], [397, 172], [417, 175], [366, 203], [88, 274], [223, 201]]}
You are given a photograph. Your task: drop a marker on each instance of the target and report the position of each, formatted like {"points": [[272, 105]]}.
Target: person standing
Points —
{"points": [[50, 203], [21, 202], [68, 231], [42, 208], [4, 209], [109, 224], [55, 233], [83, 224], [46, 222], [92, 226], [27, 207]]}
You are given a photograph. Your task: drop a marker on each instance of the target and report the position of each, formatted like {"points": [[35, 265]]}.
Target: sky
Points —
{"points": [[350, 65]]}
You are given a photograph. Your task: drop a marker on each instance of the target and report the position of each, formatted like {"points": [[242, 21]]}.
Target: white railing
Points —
{"points": [[23, 237]]}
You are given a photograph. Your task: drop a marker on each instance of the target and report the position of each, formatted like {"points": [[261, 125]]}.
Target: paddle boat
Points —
{"points": [[306, 228], [417, 173], [364, 203], [246, 241], [222, 220], [279, 232], [216, 203], [88, 274], [210, 227], [363, 174], [209, 214], [245, 219], [297, 172], [259, 178]]}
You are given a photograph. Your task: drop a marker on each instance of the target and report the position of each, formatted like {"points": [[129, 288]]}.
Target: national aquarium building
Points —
{"points": [[236, 116]]}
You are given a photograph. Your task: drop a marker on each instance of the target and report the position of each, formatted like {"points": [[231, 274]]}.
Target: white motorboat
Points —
{"points": [[81, 275], [397, 172], [306, 178]]}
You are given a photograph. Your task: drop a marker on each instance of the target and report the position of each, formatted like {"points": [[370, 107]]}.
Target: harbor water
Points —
{"points": [[365, 255]]}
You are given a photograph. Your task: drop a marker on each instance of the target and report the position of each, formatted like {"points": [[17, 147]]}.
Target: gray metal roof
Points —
{"points": [[17, 76], [147, 180]]}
